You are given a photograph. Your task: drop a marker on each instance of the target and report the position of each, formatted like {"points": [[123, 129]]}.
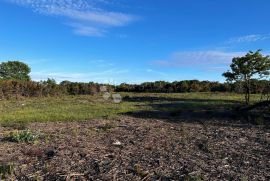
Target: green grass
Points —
{"points": [[68, 108], [198, 95], [75, 108]]}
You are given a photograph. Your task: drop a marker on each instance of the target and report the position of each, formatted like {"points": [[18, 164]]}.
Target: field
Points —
{"points": [[147, 136], [76, 108]]}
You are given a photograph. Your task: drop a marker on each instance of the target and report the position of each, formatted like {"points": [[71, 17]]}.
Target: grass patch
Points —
{"points": [[67, 108], [15, 125], [76, 108]]}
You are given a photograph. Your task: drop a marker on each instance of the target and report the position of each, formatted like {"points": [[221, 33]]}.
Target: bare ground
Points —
{"points": [[130, 148]]}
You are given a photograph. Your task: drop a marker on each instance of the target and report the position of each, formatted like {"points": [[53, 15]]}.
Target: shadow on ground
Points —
{"points": [[213, 111]]}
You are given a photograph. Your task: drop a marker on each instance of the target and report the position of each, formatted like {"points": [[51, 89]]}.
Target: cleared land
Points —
{"points": [[197, 136]]}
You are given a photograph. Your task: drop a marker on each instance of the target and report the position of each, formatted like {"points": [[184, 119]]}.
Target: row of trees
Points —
{"points": [[10, 89], [18, 88], [15, 82], [257, 86]]}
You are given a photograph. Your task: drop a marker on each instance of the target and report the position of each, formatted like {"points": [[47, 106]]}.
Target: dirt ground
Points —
{"points": [[128, 148]]}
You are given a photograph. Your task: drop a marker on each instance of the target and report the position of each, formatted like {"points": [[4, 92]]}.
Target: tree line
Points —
{"points": [[19, 88], [16, 89], [257, 86], [15, 82], [248, 75]]}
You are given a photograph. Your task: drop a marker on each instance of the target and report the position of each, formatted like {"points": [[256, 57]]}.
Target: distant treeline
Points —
{"points": [[257, 86], [16, 89]]}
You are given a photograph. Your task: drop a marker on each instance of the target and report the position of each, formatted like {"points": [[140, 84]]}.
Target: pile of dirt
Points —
{"points": [[129, 148]]}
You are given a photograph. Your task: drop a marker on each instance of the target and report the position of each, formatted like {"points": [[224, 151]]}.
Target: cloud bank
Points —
{"points": [[84, 16], [249, 38], [207, 60]]}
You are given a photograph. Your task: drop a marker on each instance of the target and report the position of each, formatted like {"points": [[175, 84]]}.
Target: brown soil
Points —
{"points": [[139, 149]]}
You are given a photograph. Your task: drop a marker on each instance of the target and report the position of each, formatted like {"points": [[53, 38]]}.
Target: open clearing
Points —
{"points": [[146, 137], [77, 108]]}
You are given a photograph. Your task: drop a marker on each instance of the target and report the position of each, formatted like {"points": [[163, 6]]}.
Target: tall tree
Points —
{"points": [[251, 66], [14, 70]]}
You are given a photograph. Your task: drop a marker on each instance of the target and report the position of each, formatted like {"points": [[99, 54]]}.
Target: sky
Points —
{"points": [[132, 41]]}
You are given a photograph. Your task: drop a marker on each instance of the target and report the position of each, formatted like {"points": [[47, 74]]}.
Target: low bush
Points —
{"points": [[22, 136]]}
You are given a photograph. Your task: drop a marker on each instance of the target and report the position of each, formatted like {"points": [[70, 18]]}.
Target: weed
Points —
{"points": [[75, 132], [244, 178], [5, 170], [22, 136], [203, 145], [47, 138], [139, 171], [105, 127]]}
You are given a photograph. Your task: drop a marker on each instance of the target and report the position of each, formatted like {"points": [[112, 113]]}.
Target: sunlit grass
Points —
{"points": [[75, 108], [60, 109]]}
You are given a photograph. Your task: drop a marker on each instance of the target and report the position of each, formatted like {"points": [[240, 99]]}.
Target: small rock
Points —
{"points": [[109, 156], [117, 143]]}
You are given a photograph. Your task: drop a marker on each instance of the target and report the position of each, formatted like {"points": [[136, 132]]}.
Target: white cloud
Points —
{"points": [[198, 59], [249, 38], [83, 30], [108, 76], [156, 72], [84, 15]]}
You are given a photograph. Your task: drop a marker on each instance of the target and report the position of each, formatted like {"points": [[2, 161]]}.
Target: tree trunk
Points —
{"points": [[247, 90]]}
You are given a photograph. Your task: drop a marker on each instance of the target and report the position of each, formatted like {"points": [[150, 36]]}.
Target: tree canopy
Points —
{"points": [[251, 66], [14, 70]]}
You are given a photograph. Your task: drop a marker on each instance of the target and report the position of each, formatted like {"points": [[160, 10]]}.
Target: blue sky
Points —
{"points": [[114, 41]]}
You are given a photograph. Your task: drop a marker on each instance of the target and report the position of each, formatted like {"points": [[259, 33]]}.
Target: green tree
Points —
{"points": [[184, 86], [14, 70], [251, 66]]}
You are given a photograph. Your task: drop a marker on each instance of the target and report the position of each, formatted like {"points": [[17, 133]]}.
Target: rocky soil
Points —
{"points": [[130, 148]]}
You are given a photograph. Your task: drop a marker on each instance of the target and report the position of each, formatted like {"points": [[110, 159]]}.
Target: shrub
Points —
{"points": [[22, 136]]}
